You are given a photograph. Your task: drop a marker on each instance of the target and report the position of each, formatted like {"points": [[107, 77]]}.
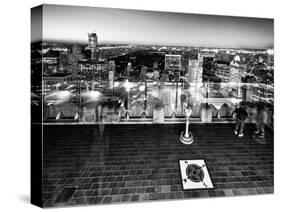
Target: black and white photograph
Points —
{"points": [[138, 105]]}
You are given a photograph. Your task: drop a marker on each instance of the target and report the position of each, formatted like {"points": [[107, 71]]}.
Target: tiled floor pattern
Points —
{"points": [[195, 175], [128, 163]]}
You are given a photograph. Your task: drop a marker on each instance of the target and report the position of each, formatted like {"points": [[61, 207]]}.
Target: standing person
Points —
{"points": [[158, 111], [241, 115], [261, 118]]}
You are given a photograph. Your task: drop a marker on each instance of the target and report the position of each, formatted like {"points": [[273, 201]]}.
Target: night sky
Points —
{"points": [[69, 23]]}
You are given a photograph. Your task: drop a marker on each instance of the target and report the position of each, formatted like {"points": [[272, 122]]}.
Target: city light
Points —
{"points": [[128, 85], [58, 85], [235, 101], [270, 51], [59, 97], [91, 95], [116, 84], [142, 88]]}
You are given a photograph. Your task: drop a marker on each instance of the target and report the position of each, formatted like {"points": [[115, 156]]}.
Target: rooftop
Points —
{"points": [[126, 163]]}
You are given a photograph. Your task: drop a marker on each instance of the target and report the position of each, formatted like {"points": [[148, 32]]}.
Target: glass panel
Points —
{"points": [[94, 101], [61, 100]]}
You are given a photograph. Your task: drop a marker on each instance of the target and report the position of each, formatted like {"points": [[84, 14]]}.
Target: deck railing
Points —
{"points": [[93, 102]]}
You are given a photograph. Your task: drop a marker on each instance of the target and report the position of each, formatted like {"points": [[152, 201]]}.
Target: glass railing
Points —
{"points": [[155, 102]]}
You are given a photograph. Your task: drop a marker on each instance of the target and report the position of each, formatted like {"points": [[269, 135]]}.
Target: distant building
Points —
{"points": [[173, 62], [235, 75], [92, 40], [49, 64], [207, 62], [69, 61], [59, 77], [111, 73], [76, 49], [93, 70], [237, 59], [202, 55], [143, 72], [50, 60], [209, 71], [222, 71], [223, 56], [194, 71], [93, 45], [111, 66]]}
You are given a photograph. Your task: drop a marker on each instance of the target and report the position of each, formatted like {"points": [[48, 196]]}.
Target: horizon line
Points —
{"points": [[148, 44]]}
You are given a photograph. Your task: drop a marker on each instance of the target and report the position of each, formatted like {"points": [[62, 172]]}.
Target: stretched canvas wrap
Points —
{"points": [[131, 106]]}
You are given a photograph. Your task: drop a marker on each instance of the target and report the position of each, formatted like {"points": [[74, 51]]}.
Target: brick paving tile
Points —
{"points": [[140, 162]]}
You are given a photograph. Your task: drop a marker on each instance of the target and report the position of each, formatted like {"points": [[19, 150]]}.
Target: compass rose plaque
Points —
{"points": [[195, 175]]}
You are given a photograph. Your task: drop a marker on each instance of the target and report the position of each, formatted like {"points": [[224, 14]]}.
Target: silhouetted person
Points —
{"points": [[241, 115], [261, 117]]}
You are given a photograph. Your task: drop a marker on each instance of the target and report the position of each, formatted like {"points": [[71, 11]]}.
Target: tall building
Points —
{"points": [[194, 71], [235, 76], [93, 44], [92, 40], [207, 62], [222, 71], [208, 67], [202, 55]]}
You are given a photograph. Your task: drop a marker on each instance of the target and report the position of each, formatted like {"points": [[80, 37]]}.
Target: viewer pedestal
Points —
{"points": [[186, 137]]}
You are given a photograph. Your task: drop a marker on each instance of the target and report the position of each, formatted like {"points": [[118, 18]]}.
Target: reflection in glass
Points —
{"points": [[124, 101]]}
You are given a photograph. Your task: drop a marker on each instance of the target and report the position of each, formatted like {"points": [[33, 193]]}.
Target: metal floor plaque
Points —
{"points": [[195, 175]]}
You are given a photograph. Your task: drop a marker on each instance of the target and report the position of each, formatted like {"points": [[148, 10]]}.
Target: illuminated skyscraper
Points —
{"points": [[93, 44], [92, 40]]}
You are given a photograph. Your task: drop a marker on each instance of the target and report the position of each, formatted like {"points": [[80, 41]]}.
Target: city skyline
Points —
{"points": [[71, 24]]}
